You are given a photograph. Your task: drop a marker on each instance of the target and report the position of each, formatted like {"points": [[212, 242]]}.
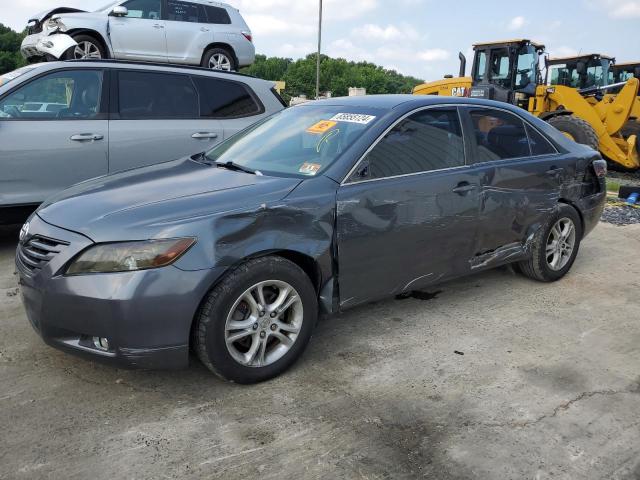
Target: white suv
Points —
{"points": [[191, 32]]}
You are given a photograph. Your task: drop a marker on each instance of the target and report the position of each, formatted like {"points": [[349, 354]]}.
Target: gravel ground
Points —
{"points": [[491, 377], [621, 215]]}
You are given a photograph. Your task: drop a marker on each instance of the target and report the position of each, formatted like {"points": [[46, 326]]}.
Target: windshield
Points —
{"points": [[9, 76], [298, 142]]}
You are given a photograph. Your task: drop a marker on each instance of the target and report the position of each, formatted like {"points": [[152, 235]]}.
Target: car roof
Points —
{"points": [[407, 101], [110, 63]]}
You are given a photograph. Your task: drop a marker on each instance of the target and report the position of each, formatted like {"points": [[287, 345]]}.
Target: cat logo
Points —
{"points": [[458, 91]]}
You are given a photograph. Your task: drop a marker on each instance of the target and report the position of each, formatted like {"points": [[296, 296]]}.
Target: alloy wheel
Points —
{"points": [[86, 50], [560, 244], [219, 61], [264, 323]]}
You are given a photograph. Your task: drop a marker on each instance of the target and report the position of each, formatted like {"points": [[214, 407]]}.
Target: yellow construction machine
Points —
{"points": [[509, 71]]}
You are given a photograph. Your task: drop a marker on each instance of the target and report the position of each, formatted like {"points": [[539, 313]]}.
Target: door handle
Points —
{"points": [[204, 135], [86, 137], [463, 188], [204, 29], [553, 171], [158, 26]]}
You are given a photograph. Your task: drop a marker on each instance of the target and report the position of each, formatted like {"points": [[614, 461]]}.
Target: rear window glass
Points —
{"points": [[145, 95], [217, 15], [225, 99], [499, 135], [539, 144], [182, 11]]}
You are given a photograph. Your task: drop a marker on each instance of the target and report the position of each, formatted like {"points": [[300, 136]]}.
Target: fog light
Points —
{"points": [[101, 343]]}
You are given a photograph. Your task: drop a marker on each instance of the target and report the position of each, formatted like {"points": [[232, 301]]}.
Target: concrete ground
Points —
{"points": [[546, 384]]}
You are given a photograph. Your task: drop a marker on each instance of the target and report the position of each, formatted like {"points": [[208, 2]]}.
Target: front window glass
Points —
{"points": [[298, 142], [564, 75], [60, 95], [481, 66], [147, 9], [182, 11], [500, 71], [598, 74], [427, 140]]}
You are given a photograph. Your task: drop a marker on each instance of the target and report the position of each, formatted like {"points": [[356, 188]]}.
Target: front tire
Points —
{"points": [[257, 321], [219, 59], [88, 48], [577, 129], [555, 246]]}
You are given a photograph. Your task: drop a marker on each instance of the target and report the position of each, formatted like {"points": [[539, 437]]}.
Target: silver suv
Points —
{"points": [[99, 117], [194, 32]]}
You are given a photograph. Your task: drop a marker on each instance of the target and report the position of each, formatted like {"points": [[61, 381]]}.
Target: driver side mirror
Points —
{"points": [[119, 11], [581, 68]]}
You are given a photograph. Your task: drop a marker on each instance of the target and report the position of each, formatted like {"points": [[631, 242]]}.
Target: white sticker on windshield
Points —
{"points": [[354, 118]]}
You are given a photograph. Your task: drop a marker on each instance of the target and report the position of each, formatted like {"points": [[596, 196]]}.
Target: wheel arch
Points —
{"points": [[93, 33], [226, 46], [572, 204]]}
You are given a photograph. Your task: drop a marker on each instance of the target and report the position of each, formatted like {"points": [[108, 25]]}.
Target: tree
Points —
{"points": [[10, 57], [336, 75]]}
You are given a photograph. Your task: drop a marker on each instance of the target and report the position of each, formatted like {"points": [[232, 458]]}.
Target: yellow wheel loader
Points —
{"points": [[509, 71]]}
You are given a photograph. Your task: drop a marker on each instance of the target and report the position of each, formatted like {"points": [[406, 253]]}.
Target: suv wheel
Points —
{"points": [[257, 321], [219, 59], [555, 246], [87, 48]]}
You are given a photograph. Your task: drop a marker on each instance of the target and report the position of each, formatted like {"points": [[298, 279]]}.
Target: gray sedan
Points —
{"points": [[319, 208]]}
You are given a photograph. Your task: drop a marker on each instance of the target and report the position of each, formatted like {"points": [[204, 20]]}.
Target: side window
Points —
{"points": [[70, 94], [182, 11], [147, 95], [427, 140], [499, 135], [217, 15], [499, 70], [481, 66], [225, 99], [147, 9], [539, 144]]}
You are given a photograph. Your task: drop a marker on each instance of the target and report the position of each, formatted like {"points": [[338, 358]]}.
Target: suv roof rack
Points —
{"points": [[156, 64]]}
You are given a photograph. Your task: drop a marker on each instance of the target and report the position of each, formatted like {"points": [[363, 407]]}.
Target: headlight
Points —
{"points": [[129, 256], [55, 24]]}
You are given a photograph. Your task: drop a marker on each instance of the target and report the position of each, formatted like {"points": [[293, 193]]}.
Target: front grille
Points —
{"points": [[37, 252]]}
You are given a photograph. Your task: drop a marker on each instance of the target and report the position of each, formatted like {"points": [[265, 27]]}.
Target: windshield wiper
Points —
{"points": [[238, 168]]}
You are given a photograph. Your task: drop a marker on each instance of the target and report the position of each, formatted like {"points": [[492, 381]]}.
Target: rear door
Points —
{"points": [[156, 119], [407, 214], [49, 149], [522, 175], [141, 35], [188, 33]]}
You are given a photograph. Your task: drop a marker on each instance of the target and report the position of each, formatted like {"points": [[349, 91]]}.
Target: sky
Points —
{"points": [[417, 37]]}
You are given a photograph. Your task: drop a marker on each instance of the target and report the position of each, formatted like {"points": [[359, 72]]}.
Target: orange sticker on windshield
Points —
{"points": [[310, 168], [322, 126]]}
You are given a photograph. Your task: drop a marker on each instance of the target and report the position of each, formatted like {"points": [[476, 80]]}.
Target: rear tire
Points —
{"points": [[576, 129], [257, 321], [219, 59], [550, 256]]}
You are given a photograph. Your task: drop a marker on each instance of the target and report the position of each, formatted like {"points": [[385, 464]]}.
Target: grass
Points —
{"points": [[613, 187]]}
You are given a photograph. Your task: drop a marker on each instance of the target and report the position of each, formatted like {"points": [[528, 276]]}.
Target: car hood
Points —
{"points": [[159, 201], [40, 17]]}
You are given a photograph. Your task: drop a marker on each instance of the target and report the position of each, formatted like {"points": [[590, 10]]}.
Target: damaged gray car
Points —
{"points": [[190, 32], [322, 207]]}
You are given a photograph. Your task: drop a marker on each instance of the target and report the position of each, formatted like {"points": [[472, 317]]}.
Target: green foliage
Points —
{"points": [[336, 75], [10, 57]]}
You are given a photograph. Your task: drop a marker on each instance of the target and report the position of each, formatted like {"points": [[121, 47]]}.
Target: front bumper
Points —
{"points": [[44, 44], [146, 315]]}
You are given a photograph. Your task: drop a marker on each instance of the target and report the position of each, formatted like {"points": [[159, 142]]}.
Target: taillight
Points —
{"points": [[248, 36], [600, 167]]}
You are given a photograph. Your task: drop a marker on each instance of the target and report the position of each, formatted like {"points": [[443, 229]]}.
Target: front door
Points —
{"points": [[407, 215], [141, 34], [188, 33], [64, 141]]}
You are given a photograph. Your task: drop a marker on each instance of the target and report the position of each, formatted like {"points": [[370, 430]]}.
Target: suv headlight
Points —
{"points": [[55, 24], [129, 256]]}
